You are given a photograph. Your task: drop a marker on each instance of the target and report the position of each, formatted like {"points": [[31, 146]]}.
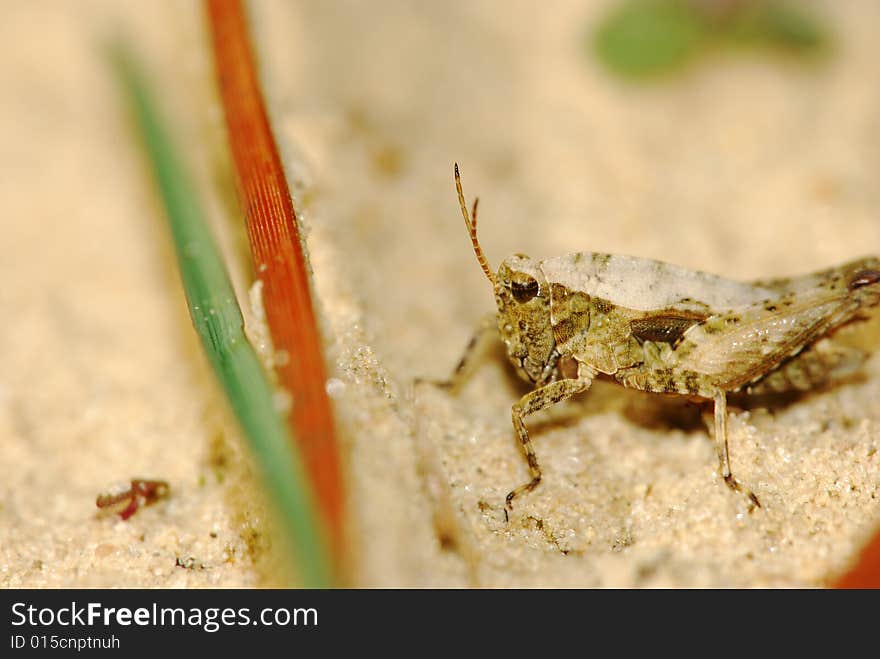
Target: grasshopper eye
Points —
{"points": [[523, 287]]}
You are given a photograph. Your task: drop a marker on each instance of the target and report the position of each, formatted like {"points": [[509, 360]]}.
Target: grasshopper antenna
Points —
{"points": [[472, 227]]}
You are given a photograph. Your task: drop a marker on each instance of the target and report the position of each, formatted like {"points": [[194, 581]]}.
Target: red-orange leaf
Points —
{"points": [[277, 253], [866, 573]]}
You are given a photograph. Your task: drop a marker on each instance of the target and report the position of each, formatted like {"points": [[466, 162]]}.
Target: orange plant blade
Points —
{"points": [[866, 573], [280, 264]]}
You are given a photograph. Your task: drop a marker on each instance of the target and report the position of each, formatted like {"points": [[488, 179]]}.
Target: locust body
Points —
{"points": [[662, 328]]}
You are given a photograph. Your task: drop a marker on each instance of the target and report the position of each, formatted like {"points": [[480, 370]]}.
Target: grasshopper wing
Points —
{"points": [[817, 280], [742, 346]]}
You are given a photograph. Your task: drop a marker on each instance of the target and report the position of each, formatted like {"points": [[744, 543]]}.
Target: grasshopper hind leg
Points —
{"points": [[721, 447]]}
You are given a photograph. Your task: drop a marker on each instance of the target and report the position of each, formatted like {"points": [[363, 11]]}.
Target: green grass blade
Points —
{"points": [[218, 321]]}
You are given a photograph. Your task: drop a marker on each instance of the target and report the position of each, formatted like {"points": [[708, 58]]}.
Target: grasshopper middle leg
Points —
{"points": [[532, 402], [722, 450], [689, 383]]}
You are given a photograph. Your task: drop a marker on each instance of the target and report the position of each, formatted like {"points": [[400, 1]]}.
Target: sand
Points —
{"points": [[746, 166]]}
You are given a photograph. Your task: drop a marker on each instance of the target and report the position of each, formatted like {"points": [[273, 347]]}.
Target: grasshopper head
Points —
{"points": [[523, 299]]}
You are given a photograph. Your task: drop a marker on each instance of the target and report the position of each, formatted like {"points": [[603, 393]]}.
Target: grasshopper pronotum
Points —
{"points": [[662, 328]]}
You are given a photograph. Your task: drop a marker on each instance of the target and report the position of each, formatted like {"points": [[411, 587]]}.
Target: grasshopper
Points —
{"points": [[665, 329]]}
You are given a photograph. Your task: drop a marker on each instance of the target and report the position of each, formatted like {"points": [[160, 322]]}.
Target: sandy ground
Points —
{"points": [[747, 167]]}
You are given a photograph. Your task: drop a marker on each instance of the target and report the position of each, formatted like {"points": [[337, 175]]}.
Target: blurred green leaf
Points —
{"points": [[778, 24], [217, 320], [648, 37]]}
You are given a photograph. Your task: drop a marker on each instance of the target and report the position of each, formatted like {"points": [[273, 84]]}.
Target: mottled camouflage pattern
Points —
{"points": [[662, 328], [760, 337]]}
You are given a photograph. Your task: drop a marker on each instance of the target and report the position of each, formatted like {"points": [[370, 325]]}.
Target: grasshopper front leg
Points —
{"points": [[487, 326], [532, 402]]}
